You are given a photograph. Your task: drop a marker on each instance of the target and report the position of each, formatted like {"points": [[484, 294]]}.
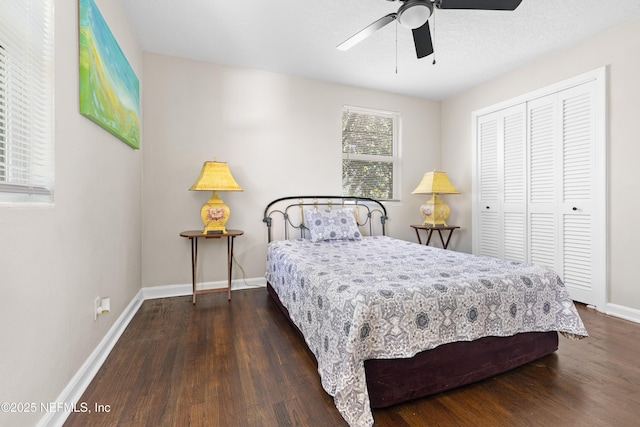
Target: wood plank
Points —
{"points": [[239, 363]]}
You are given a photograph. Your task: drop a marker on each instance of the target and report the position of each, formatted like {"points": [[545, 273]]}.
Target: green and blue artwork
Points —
{"points": [[109, 89]]}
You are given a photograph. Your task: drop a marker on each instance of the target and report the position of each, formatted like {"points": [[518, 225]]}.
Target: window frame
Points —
{"points": [[394, 158], [27, 102]]}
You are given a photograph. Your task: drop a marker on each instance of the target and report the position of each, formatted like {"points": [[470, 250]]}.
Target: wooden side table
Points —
{"points": [[430, 228], [194, 236]]}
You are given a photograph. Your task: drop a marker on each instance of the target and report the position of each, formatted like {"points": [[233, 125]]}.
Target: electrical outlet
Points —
{"points": [[96, 308]]}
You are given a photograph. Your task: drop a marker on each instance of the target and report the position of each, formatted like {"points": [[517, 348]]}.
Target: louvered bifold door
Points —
{"points": [[543, 170], [489, 220], [502, 184], [562, 179], [540, 183], [577, 190], [514, 183]]}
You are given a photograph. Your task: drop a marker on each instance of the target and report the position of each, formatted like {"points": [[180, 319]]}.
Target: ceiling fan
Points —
{"points": [[414, 15]]}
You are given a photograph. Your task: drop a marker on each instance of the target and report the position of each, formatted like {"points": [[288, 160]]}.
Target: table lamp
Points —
{"points": [[215, 176], [435, 211]]}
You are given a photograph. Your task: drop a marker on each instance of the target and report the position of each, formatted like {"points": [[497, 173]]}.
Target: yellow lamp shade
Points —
{"points": [[215, 176], [435, 212], [435, 183]]}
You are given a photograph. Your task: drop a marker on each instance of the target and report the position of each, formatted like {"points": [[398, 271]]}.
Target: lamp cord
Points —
{"points": [[244, 279]]}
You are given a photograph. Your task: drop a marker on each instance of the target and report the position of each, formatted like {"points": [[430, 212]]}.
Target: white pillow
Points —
{"points": [[333, 224]]}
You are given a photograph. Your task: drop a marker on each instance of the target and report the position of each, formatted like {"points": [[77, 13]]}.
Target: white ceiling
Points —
{"points": [[299, 37]]}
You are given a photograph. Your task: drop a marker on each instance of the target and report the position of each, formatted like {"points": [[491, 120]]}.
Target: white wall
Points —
{"points": [[618, 50], [280, 135], [55, 261]]}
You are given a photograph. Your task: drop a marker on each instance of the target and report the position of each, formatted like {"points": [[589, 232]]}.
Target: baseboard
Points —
{"points": [[81, 380], [623, 312], [72, 393], [168, 291]]}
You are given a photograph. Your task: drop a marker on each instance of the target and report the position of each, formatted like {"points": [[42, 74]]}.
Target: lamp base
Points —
{"points": [[434, 212], [214, 214]]}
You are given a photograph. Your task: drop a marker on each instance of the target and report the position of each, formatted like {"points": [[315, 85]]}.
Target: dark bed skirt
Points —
{"points": [[392, 381]]}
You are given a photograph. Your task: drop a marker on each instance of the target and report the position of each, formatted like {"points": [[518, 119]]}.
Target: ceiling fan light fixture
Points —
{"points": [[414, 13]]}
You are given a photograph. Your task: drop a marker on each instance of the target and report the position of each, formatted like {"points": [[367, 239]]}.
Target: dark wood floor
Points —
{"points": [[240, 363]]}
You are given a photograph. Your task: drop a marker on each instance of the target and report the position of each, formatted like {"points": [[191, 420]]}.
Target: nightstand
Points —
{"points": [[194, 236], [431, 228]]}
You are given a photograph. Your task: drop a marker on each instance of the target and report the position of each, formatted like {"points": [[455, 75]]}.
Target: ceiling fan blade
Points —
{"points": [[366, 32], [422, 40], [479, 4]]}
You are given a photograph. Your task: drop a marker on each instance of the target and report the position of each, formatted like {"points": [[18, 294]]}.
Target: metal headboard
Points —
{"points": [[290, 212]]}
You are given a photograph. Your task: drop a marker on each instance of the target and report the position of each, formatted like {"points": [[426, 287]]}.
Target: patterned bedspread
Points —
{"points": [[385, 298]]}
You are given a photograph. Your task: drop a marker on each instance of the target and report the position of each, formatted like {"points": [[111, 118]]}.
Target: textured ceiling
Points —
{"points": [[299, 37]]}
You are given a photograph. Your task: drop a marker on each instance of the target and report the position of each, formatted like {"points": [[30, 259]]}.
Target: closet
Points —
{"points": [[539, 183]]}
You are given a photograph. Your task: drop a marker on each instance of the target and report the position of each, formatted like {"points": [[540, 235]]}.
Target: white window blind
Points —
{"points": [[26, 100], [370, 161]]}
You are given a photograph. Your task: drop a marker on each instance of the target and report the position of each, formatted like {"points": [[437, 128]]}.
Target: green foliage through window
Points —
{"points": [[369, 153]]}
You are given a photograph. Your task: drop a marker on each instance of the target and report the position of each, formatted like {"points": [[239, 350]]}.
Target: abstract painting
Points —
{"points": [[109, 89]]}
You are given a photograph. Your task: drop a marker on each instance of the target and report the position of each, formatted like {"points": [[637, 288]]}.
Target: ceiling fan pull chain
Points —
{"points": [[396, 46], [434, 39]]}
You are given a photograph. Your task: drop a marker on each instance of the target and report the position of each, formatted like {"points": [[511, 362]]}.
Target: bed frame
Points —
{"points": [[392, 381], [371, 215]]}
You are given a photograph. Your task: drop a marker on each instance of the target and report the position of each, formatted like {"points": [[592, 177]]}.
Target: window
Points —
{"points": [[370, 161], [26, 100]]}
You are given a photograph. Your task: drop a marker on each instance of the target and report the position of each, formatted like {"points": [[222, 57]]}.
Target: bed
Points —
{"points": [[390, 320]]}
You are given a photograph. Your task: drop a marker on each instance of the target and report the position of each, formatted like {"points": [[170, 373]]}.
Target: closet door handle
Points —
{"points": [[488, 207], [574, 208]]}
